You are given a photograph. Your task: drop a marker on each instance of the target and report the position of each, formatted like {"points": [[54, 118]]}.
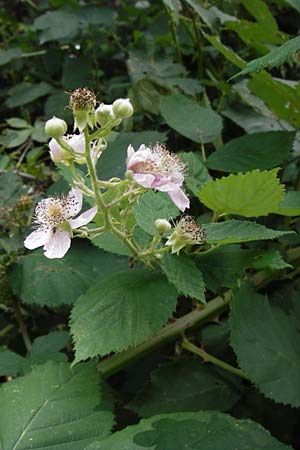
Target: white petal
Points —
{"points": [[130, 152], [55, 151], [57, 245], [37, 238], [84, 218], [74, 202], [144, 179], [176, 194], [77, 142]]}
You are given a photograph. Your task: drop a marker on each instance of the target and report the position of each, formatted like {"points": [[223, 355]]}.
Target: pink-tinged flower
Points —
{"points": [[77, 143], [157, 168], [55, 219]]}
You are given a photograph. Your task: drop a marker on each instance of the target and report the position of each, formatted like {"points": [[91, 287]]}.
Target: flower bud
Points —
{"points": [[162, 226], [55, 127], [104, 114], [122, 108]]}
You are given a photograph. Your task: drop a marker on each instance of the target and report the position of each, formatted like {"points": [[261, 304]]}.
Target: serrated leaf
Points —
{"points": [[215, 267], [183, 273], [24, 93], [119, 311], [196, 172], [290, 205], [152, 206], [204, 430], [53, 406], [277, 371], [270, 260], [225, 51], [185, 385], [235, 231], [253, 194], [36, 279], [255, 151], [111, 244], [274, 58], [188, 118]]}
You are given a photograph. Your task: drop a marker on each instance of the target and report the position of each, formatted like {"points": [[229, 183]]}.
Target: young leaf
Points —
{"points": [[267, 349], [255, 151], [53, 406], [188, 118], [186, 385], [253, 194], [152, 206], [204, 430], [235, 231], [121, 310], [183, 273]]}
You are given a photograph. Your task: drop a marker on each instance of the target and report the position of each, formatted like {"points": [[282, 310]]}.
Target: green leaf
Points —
{"points": [[76, 72], [196, 172], [255, 151], [185, 385], [14, 138], [56, 104], [175, 7], [270, 260], [16, 122], [253, 194], [183, 273], [11, 188], [121, 310], [277, 370], [24, 93], [204, 430], [188, 118], [9, 55], [152, 206], [235, 231], [275, 58], [10, 362], [53, 406], [57, 25], [281, 98], [290, 205], [215, 267], [116, 166], [54, 282], [111, 244], [260, 11], [225, 51]]}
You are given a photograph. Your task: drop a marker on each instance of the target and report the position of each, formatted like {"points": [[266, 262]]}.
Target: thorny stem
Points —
{"points": [[21, 324], [198, 317], [187, 345]]}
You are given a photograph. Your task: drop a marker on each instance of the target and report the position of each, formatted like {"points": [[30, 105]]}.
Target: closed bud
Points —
{"points": [[104, 114], [162, 226], [122, 108], [55, 127]]}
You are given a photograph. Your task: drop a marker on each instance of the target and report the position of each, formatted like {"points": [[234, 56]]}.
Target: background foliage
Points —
{"points": [[218, 82]]}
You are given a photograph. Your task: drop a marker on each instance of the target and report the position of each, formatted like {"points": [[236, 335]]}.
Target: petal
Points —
{"points": [[84, 218], [130, 152], [144, 179], [73, 203], [176, 194], [77, 142], [37, 238], [57, 244], [55, 150], [142, 155]]}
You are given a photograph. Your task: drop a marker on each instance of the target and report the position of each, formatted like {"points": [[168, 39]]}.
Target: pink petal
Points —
{"points": [[176, 194], [74, 200], [36, 239], [57, 245], [144, 179], [142, 155], [130, 152], [55, 150], [77, 142], [84, 218]]}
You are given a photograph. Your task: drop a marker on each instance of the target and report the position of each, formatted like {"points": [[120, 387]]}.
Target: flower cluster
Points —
{"points": [[149, 167]]}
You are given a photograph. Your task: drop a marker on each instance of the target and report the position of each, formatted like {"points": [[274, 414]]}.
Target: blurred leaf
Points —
{"points": [[202, 430], [24, 93], [9, 55], [152, 206], [16, 122], [53, 406], [270, 260], [57, 25], [196, 172], [77, 72], [290, 206], [10, 362], [11, 138], [255, 151], [277, 374], [185, 385], [56, 105], [225, 50], [119, 311], [183, 273], [188, 118], [253, 194], [53, 282], [39, 134], [235, 231], [175, 7]]}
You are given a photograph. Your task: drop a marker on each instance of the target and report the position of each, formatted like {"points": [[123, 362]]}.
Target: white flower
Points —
{"points": [[77, 142], [55, 217]]}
